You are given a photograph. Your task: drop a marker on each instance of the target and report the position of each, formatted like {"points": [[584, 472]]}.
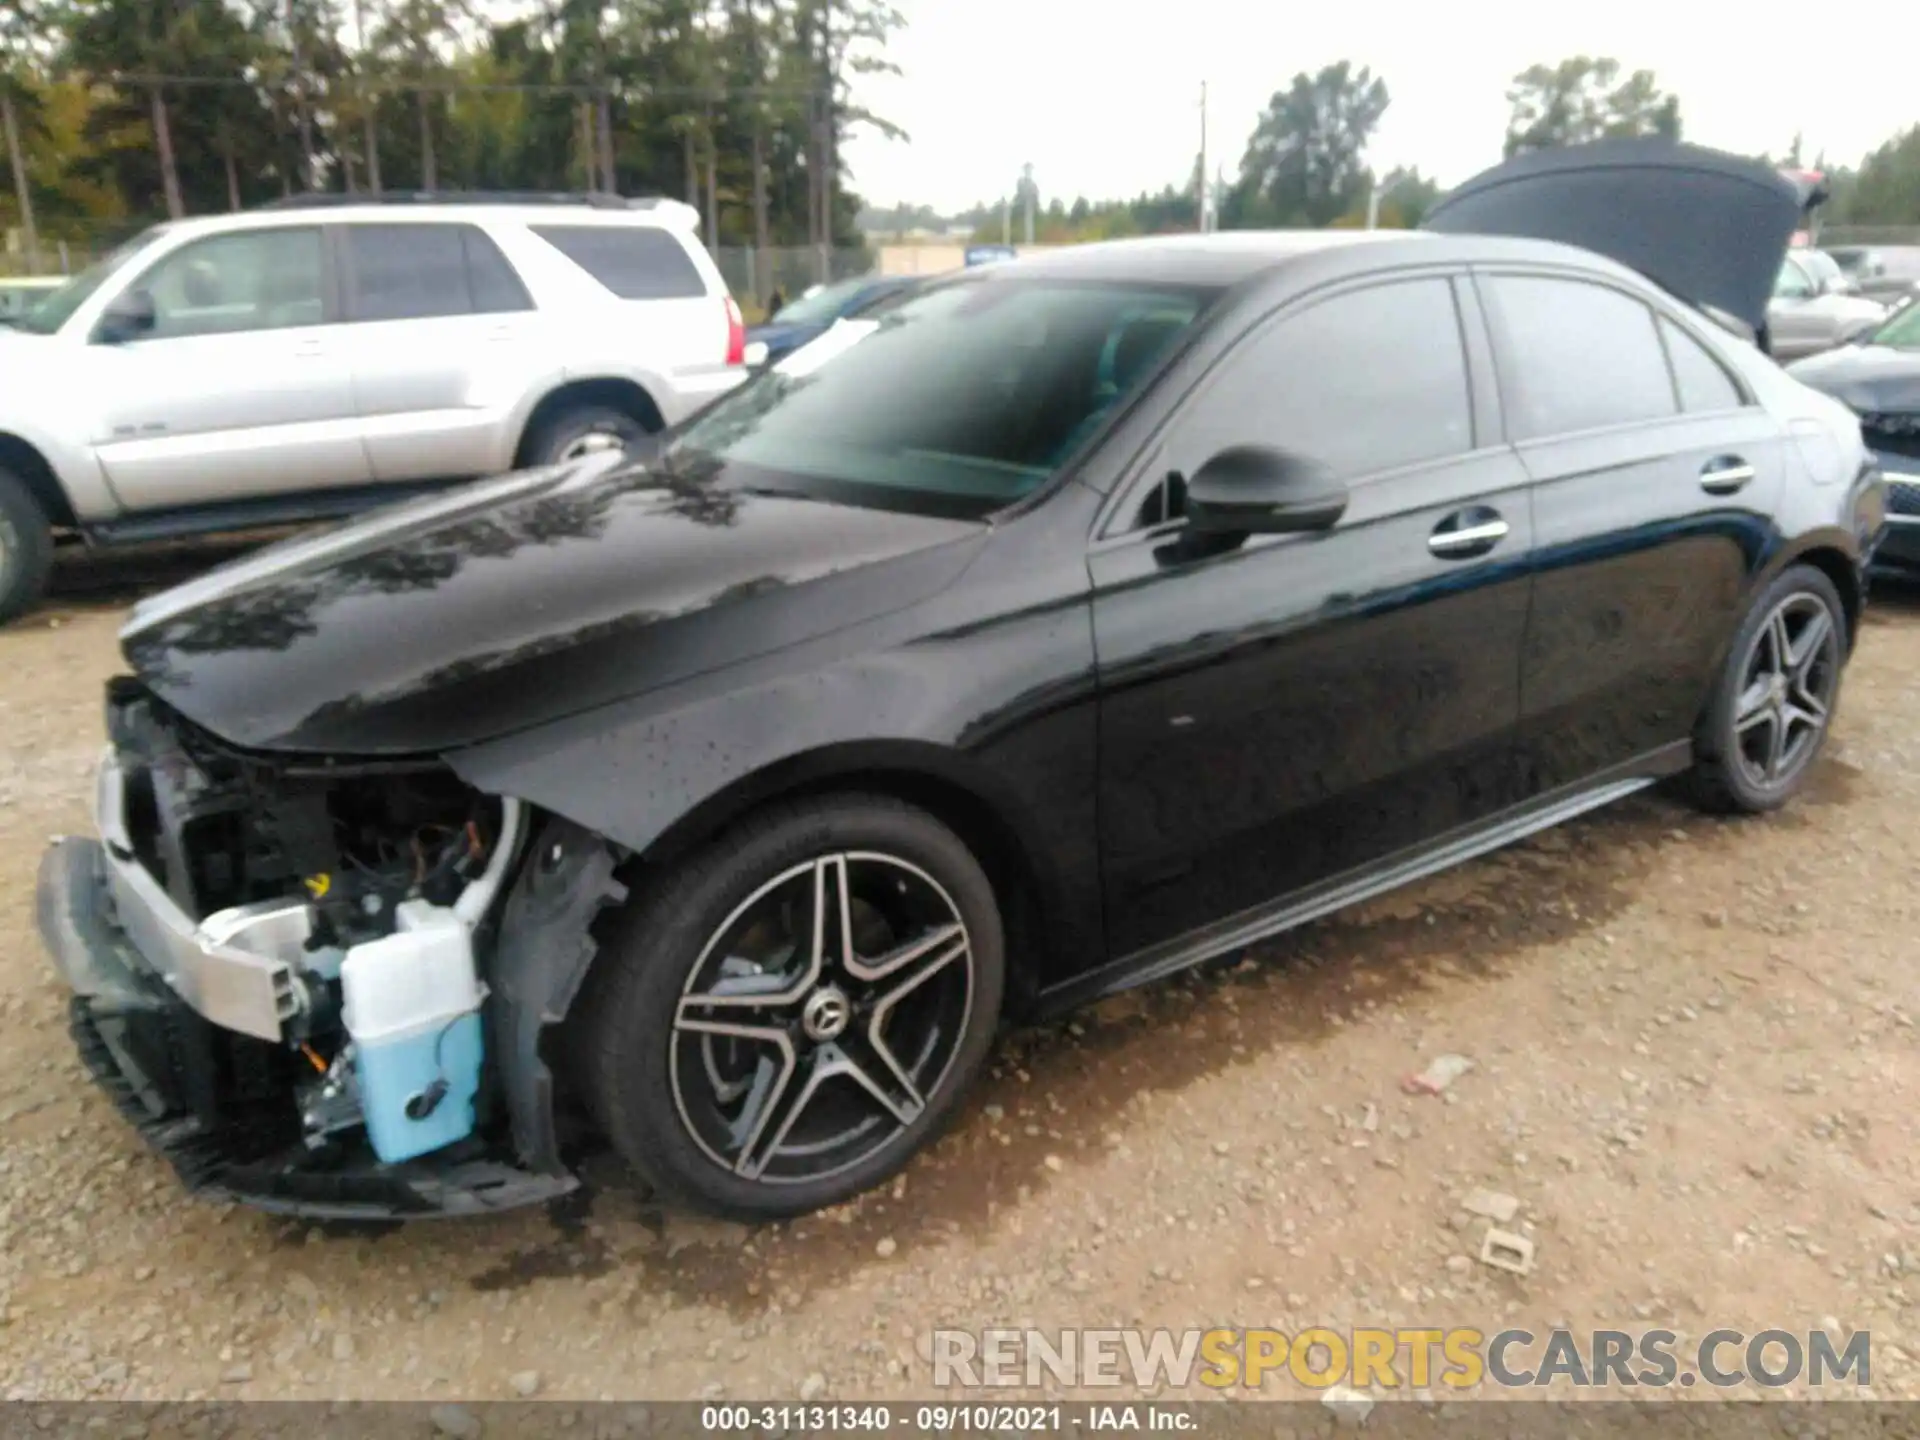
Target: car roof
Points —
{"points": [[1225, 258], [669, 215]]}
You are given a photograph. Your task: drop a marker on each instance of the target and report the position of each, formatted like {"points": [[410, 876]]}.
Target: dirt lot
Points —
{"points": [[1695, 1069]]}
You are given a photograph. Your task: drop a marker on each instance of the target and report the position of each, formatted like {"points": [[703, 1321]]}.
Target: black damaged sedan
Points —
{"points": [[1073, 621], [1878, 378]]}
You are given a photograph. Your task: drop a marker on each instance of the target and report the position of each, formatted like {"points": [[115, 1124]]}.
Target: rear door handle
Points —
{"points": [[1725, 475], [1467, 533], [309, 348]]}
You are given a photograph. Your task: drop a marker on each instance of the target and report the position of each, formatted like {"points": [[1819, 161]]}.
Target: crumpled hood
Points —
{"points": [[444, 622], [1868, 379]]}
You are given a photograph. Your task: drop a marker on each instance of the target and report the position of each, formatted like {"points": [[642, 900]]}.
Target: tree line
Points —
{"points": [[116, 112], [1304, 164]]}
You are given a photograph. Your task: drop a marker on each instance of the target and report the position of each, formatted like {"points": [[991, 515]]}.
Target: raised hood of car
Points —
{"points": [[1709, 227], [1871, 379], [441, 623]]}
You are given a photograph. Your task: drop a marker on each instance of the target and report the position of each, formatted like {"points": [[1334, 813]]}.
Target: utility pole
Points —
{"points": [[1202, 211], [303, 113], [1027, 185], [1006, 222]]}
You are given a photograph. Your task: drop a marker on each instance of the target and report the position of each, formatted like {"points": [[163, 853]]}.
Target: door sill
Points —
{"points": [[301, 507], [1263, 922]]}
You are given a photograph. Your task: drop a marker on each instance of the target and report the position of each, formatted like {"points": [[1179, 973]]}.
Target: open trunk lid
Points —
{"points": [[1709, 227]]}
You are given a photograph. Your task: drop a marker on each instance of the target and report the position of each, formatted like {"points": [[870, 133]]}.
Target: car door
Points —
{"points": [[1654, 477], [240, 389], [1289, 708], [440, 335]]}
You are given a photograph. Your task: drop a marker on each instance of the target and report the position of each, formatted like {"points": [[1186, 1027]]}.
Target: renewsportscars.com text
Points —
{"points": [[1458, 1358]]}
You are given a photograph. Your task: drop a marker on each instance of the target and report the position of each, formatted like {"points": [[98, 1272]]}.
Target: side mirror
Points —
{"points": [[1255, 490], [131, 314]]}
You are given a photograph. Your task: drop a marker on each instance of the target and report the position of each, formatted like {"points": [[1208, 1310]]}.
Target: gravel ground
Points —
{"points": [[1694, 1069]]}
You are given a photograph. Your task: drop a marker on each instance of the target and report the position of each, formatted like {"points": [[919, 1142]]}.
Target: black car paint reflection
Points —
{"points": [[1149, 732]]}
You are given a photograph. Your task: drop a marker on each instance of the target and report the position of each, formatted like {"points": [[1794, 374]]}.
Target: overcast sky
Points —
{"points": [[1102, 96]]}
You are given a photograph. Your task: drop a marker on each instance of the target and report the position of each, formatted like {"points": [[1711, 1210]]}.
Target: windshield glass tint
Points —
{"points": [[965, 398], [821, 306], [59, 307], [1902, 330]]}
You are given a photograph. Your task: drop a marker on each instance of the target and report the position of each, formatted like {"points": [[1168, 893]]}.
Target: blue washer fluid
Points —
{"points": [[412, 1008]]}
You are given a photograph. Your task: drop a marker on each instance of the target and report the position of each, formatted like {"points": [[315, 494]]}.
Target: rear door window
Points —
{"points": [[1575, 356], [428, 271], [635, 262]]}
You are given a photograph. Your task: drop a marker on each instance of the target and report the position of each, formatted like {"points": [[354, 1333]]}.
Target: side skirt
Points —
{"points": [[302, 507], [1262, 922]]}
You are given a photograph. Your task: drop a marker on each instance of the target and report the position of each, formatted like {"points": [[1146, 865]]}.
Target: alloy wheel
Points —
{"points": [[821, 1018], [1788, 680]]}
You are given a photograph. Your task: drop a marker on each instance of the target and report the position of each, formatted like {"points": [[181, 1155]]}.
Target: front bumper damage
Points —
{"points": [[181, 1024]]}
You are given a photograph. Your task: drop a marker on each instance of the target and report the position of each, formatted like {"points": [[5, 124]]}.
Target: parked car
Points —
{"points": [[1815, 307], [20, 294], [1023, 644], [809, 316], [1888, 273], [321, 355], [1878, 377]]}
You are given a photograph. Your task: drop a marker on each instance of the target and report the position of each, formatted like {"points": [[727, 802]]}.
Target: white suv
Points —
{"points": [[323, 354]]}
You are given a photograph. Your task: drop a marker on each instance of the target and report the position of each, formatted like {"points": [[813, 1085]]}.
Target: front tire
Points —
{"points": [[782, 1020], [1775, 699], [26, 548]]}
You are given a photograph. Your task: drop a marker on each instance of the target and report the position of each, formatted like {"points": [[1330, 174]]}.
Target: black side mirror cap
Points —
{"points": [[1259, 490]]}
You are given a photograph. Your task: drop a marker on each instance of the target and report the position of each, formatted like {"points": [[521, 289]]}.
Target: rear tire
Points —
{"points": [[747, 1062], [580, 431], [1771, 710], [26, 548]]}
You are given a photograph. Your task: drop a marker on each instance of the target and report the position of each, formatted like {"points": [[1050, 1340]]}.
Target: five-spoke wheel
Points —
{"points": [[788, 1015], [1771, 709], [820, 1016]]}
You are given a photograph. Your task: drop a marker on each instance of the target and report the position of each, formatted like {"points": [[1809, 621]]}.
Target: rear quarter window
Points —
{"points": [[635, 262], [1702, 380]]}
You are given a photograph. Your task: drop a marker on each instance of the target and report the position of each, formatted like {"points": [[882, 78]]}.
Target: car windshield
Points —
{"points": [[59, 305], [822, 306], [1821, 263], [959, 401], [1901, 330]]}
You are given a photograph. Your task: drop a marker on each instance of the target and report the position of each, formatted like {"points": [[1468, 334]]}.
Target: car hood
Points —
{"points": [[440, 623], [1870, 379], [782, 337], [1709, 227]]}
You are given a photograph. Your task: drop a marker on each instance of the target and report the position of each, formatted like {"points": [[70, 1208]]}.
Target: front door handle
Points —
{"points": [[307, 349], [1725, 475], [1467, 533]]}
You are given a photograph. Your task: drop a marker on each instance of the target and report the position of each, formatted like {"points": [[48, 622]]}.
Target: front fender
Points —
{"points": [[1004, 714], [81, 478]]}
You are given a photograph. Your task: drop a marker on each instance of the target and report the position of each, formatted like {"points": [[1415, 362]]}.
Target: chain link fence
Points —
{"points": [[1870, 234], [753, 275]]}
